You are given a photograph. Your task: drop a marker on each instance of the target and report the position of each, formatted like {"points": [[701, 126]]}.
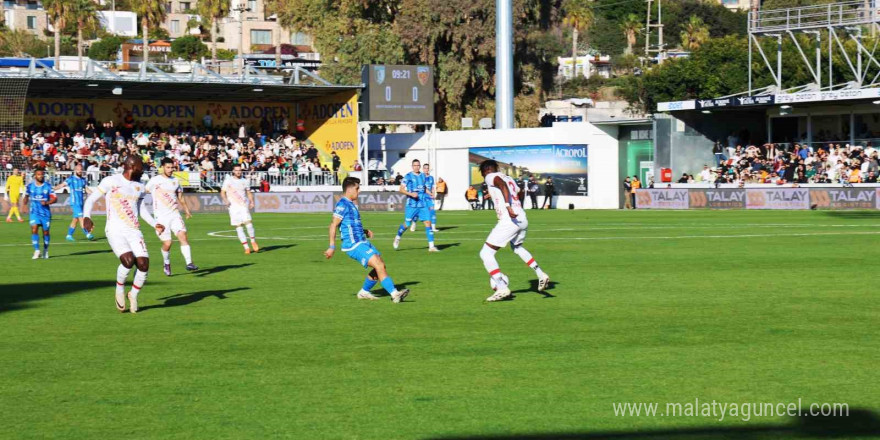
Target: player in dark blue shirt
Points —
{"points": [[38, 196], [413, 186], [79, 188], [355, 243]]}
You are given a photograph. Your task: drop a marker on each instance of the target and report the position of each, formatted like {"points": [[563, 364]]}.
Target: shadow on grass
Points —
{"points": [[853, 214], [183, 299], [534, 289], [276, 247], [81, 253], [218, 269], [17, 296], [380, 292], [446, 228], [860, 423], [439, 247]]}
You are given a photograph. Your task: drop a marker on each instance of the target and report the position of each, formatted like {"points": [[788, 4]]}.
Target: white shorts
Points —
{"points": [[173, 224], [508, 231], [239, 215], [123, 242]]}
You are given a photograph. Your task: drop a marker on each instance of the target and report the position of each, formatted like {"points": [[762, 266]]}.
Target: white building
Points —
{"points": [[586, 66]]}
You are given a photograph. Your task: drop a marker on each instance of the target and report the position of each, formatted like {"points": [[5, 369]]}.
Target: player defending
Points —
{"points": [[413, 187], [40, 195], [13, 192], [430, 196], [124, 198], [167, 200], [511, 228], [237, 196], [355, 242], [79, 187]]}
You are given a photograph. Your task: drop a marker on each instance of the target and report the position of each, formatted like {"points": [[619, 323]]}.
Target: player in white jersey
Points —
{"points": [[124, 198], [167, 200], [511, 228], [237, 196]]}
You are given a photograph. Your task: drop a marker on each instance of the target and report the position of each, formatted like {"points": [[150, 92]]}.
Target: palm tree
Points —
{"points": [[152, 13], [17, 42], [631, 26], [213, 10], [578, 15], [694, 34], [84, 12], [58, 11]]}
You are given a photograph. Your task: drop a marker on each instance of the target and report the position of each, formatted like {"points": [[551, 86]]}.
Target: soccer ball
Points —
{"points": [[494, 285]]}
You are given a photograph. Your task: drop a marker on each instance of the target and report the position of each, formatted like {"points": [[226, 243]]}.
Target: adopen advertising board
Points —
{"points": [[758, 198]]}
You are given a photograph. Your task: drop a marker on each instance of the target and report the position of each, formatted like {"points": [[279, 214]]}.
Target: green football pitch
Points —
{"points": [[645, 307]]}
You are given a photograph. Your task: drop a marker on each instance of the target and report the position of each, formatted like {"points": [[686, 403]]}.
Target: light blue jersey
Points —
{"points": [[415, 183], [38, 194], [77, 186], [351, 227]]}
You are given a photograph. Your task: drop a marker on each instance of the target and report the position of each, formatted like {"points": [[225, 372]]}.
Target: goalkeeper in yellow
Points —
{"points": [[13, 193]]}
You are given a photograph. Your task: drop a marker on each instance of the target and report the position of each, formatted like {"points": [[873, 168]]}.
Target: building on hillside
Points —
{"points": [[597, 66], [736, 5], [26, 15]]}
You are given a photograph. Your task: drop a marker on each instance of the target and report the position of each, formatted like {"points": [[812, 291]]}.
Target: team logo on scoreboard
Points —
{"points": [[422, 73], [380, 74]]}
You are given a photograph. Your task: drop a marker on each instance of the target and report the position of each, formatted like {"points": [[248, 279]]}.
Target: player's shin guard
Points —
{"points": [[429, 232], [434, 217], [70, 231], [121, 276], [487, 254], [139, 279], [187, 254], [528, 259], [166, 257], [402, 228], [46, 239], [250, 231], [241, 237], [35, 240], [388, 285], [368, 284]]}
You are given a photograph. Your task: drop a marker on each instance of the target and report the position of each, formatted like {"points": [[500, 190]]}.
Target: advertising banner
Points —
{"points": [[777, 198], [163, 113], [662, 198], [721, 198], [566, 164], [294, 202], [331, 124], [844, 198], [60, 207], [378, 201]]}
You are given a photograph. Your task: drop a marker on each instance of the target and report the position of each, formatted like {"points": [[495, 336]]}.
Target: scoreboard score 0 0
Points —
{"points": [[397, 93]]}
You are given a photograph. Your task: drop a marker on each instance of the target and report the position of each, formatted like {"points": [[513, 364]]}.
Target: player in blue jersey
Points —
{"points": [[413, 186], [429, 196], [38, 196], [355, 243], [79, 188]]}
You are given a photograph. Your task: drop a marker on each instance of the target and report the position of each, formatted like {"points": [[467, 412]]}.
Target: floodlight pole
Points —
{"points": [[241, 9], [503, 64]]}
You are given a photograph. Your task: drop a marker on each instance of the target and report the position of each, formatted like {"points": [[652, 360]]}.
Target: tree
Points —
{"points": [[152, 14], [20, 43], [579, 16], [189, 48], [212, 11], [59, 12], [694, 34], [84, 13], [631, 26], [106, 48]]}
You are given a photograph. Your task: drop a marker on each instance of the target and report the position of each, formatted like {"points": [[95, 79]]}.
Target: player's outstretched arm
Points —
{"points": [[87, 210], [143, 208], [182, 202], [334, 226], [59, 186], [223, 196], [250, 199]]}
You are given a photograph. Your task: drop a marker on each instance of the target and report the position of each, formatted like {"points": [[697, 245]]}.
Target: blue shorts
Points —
{"points": [[429, 203], [77, 211], [42, 222], [420, 213], [363, 252]]}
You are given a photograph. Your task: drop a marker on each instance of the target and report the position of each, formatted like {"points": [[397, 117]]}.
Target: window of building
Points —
{"points": [[252, 5], [300, 39], [259, 36], [175, 27], [31, 22], [185, 6]]}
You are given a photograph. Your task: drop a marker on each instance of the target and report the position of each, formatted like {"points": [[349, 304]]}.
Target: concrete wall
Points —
{"points": [[451, 162]]}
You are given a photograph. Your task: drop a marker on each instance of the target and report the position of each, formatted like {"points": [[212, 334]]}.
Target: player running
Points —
{"points": [[167, 200], [414, 187], [355, 243], [13, 192], [38, 196], [511, 228], [430, 196], [124, 198], [237, 196], [79, 187]]}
